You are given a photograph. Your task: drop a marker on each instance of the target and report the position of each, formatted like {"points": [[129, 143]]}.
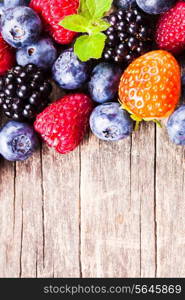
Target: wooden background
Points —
{"points": [[104, 210]]}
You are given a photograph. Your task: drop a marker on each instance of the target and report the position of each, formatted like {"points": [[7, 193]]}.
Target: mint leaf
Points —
{"points": [[91, 5], [90, 46], [98, 8], [89, 20], [79, 23], [83, 10], [99, 25], [75, 23]]}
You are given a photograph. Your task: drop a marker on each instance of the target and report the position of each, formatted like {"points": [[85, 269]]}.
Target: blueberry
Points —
{"points": [[104, 81], [14, 3], [1, 9], [155, 6], [109, 122], [41, 53], [125, 4], [1, 12], [17, 141], [176, 126], [68, 71], [21, 26]]}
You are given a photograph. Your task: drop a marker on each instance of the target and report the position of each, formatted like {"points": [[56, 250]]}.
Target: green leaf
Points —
{"points": [[91, 5], [90, 46], [83, 10], [99, 25], [89, 20], [75, 23], [98, 8]]}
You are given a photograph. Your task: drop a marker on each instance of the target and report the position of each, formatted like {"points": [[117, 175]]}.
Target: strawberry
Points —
{"points": [[51, 13], [64, 123], [170, 32], [7, 56], [150, 87]]}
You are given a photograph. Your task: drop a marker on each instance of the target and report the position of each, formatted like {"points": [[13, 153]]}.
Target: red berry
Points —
{"points": [[64, 123], [7, 56], [37, 5], [52, 12], [170, 33], [150, 87]]}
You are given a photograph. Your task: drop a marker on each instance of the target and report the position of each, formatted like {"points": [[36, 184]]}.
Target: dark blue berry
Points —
{"points": [[21, 26], [41, 53], [155, 6], [125, 4], [104, 81], [110, 122], [17, 141], [176, 126], [14, 3], [69, 72]]}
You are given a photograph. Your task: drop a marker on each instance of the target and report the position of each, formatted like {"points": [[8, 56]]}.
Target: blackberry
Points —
{"points": [[24, 92], [129, 36]]}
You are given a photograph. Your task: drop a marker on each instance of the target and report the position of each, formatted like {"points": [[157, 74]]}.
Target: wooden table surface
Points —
{"points": [[104, 210]]}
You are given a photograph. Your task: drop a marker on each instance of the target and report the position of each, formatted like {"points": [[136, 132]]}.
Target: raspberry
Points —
{"points": [[64, 123], [170, 33], [37, 5], [7, 56], [51, 13], [150, 86]]}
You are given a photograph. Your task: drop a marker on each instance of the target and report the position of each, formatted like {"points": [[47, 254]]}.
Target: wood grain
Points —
{"points": [[109, 240], [60, 215], [143, 194], [9, 246], [117, 207], [60, 211], [170, 208], [28, 210]]}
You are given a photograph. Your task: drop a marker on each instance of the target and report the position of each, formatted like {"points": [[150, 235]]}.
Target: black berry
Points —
{"points": [[129, 36], [24, 92]]}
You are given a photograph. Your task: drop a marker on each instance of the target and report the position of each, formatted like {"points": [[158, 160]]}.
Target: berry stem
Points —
{"points": [[137, 125], [158, 123]]}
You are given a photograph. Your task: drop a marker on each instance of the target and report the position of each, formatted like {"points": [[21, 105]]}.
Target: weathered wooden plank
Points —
{"points": [[60, 175], [143, 194], [9, 246], [105, 205], [109, 240], [28, 215], [117, 207], [170, 191], [61, 214]]}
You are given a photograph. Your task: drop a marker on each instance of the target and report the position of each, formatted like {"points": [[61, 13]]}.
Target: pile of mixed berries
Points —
{"points": [[139, 75]]}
